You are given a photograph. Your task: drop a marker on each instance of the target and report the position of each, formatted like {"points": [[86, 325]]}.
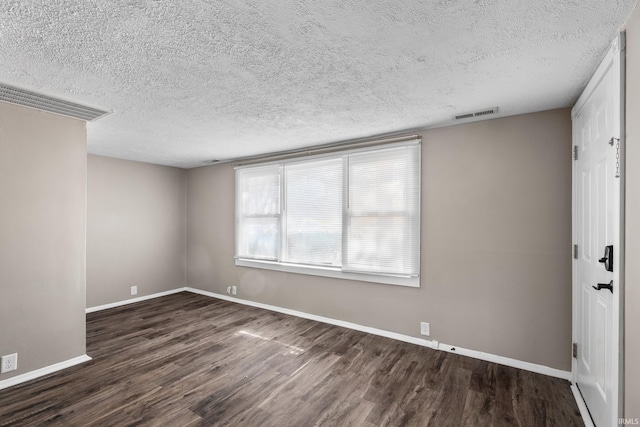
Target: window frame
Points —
{"points": [[328, 271]]}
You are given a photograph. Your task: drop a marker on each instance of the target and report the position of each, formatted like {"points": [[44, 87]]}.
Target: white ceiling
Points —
{"points": [[194, 80]]}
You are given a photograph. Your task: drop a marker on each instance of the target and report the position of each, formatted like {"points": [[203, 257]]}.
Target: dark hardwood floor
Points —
{"points": [[191, 360]]}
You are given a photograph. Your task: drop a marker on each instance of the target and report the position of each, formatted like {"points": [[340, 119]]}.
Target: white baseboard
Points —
{"points": [[584, 412], [32, 375], [507, 361], [349, 325], [133, 300]]}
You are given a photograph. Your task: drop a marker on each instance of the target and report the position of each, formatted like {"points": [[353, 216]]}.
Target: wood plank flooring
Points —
{"points": [[191, 360]]}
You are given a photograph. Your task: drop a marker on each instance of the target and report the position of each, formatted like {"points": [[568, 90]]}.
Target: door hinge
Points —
{"points": [[575, 251], [575, 350], [575, 152]]}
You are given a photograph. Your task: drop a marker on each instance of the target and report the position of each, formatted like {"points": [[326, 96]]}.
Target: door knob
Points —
{"points": [[607, 259], [604, 286]]}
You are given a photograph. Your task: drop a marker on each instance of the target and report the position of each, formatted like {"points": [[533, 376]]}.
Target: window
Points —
{"points": [[352, 214]]}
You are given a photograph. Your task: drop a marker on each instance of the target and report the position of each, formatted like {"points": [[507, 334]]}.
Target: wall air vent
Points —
{"points": [[39, 101], [476, 114]]}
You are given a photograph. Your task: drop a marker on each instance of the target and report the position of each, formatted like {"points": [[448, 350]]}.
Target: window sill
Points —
{"points": [[413, 282]]}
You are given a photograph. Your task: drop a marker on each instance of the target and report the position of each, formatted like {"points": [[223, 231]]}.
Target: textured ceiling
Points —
{"points": [[193, 80]]}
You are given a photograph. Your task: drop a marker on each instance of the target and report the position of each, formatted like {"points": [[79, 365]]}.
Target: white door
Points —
{"points": [[597, 177]]}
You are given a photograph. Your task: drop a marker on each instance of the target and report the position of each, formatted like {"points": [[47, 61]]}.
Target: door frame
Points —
{"points": [[615, 58]]}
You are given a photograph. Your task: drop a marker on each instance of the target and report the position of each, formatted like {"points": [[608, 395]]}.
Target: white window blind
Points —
{"points": [[313, 212], [354, 212], [383, 212], [258, 213]]}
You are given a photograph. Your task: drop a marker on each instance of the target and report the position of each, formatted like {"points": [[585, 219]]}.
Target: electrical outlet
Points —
{"points": [[228, 290], [9, 363], [424, 328], [134, 290], [234, 290]]}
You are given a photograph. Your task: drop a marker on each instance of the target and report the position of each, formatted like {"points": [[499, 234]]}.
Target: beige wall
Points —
{"points": [[632, 221], [136, 229], [496, 239], [42, 237]]}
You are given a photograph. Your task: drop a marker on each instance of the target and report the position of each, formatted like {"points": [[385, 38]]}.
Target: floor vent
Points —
{"points": [[39, 101], [480, 113]]}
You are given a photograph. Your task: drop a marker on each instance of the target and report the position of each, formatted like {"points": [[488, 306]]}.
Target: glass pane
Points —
{"points": [[379, 244], [259, 191], [378, 182], [314, 212], [259, 238]]}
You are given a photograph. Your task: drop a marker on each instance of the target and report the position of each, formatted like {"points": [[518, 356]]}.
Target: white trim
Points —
{"points": [[622, 71], [133, 300], [507, 361], [596, 78], [342, 323], [413, 282], [43, 371], [584, 412]]}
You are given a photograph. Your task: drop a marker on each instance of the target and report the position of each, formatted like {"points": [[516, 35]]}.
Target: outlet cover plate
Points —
{"points": [[9, 363], [424, 328], [134, 290]]}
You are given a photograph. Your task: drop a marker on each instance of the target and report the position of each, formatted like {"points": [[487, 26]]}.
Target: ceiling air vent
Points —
{"points": [[481, 113], [39, 101]]}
